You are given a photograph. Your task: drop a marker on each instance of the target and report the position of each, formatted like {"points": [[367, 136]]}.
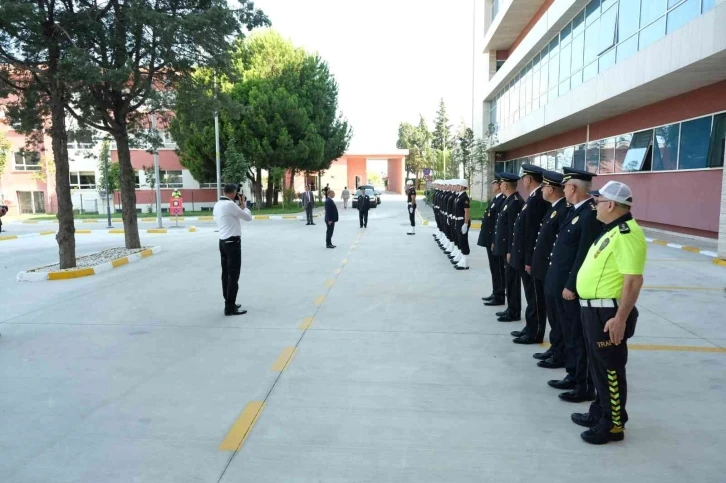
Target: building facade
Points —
{"points": [[633, 90]]}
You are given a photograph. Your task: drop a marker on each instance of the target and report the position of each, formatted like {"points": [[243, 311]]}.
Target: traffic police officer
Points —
{"points": [[411, 198], [176, 193], [577, 232], [503, 245], [486, 240], [526, 228], [554, 357], [463, 223], [608, 285]]}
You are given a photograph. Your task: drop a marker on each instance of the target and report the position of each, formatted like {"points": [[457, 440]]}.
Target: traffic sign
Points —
{"points": [[176, 207]]}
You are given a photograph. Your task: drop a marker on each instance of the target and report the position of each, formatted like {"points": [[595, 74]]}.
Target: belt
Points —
{"points": [[232, 239], [600, 303], [459, 218]]}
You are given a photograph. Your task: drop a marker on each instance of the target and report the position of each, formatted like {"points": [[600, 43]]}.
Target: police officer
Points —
{"points": [[552, 191], [526, 228], [463, 223], [364, 204], [439, 235], [608, 285], [411, 198], [577, 232], [176, 193], [443, 215], [450, 246], [503, 246], [486, 240]]}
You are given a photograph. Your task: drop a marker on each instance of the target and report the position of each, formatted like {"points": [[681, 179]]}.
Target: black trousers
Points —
{"points": [[574, 339], [496, 267], [557, 342], [363, 217], [412, 215], [463, 238], [329, 229], [607, 365], [536, 312], [514, 291], [309, 212], [230, 251]]}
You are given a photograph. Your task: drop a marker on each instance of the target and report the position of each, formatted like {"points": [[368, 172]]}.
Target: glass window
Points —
{"points": [[566, 34], [607, 156], [651, 10], [554, 45], [622, 144], [554, 70], [627, 49], [544, 76], [577, 47], [717, 147], [695, 138], [593, 156], [576, 79], [639, 146], [628, 18], [578, 23], [592, 11], [552, 95], [541, 161], [565, 60], [673, 3], [27, 161], [707, 5], [682, 14], [606, 36], [608, 3], [551, 160], [564, 87], [589, 72], [591, 41], [171, 179], [652, 33], [578, 157], [665, 148], [544, 53], [607, 60], [566, 160]]}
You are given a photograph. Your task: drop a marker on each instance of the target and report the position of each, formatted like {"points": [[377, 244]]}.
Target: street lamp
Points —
{"points": [[156, 174], [108, 189]]}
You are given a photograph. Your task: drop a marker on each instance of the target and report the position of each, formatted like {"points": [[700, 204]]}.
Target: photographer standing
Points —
{"points": [[3, 212], [227, 216]]}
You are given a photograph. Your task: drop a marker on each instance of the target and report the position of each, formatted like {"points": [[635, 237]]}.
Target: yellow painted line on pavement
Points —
{"points": [[661, 242], [320, 300], [84, 272], [83, 232], [89, 221], [289, 217], [205, 218], [147, 220], [146, 253], [670, 348], [719, 261], [241, 428], [261, 217], [120, 261], [337, 271], [29, 222], [306, 323], [329, 283], [117, 231], [192, 229], [673, 287], [47, 232], [691, 249], [156, 230], [285, 357], [8, 237]]}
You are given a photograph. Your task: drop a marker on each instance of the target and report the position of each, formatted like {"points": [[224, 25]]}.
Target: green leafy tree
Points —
{"points": [[5, 147], [113, 170], [441, 136]]}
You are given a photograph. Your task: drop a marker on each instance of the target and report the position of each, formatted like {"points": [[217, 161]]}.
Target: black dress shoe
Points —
{"points": [[527, 340], [329, 246], [494, 303], [543, 355], [503, 312], [236, 311], [518, 333], [576, 396], [602, 435], [487, 299], [509, 318], [312, 223], [584, 419], [563, 384], [551, 363], [461, 268]]}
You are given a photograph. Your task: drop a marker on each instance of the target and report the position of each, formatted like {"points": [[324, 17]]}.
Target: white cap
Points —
{"points": [[409, 183], [615, 191], [464, 183]]}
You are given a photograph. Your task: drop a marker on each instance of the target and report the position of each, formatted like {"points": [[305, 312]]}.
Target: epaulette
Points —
{"points": [[624, 228]]}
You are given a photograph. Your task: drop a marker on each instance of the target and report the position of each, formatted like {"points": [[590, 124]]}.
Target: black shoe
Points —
{"points": [[584, 419], [494, 303], [461, 268], [308, 224], [542, 356], [361, 226], [551, 363], [602, 435], [410, 233], [577, 396], [509, 318], [236, 311], [329, 246], [365, 226], [518, 333], [312, 223], [487, 299], [527, 340], [563, 384]]}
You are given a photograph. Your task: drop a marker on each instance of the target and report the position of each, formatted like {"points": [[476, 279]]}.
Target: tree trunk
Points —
{"points": [[258, 187], [66, 229], [269, 191], [292, 178], [128, 187]]}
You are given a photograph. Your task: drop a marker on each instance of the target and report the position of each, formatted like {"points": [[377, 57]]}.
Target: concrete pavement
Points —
{"points": [[399, 373]]}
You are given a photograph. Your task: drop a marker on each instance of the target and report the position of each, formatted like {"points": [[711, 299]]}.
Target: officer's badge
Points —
{"points": [[624, 228], [525, 207], [554, 213], [574, 220], [605, 243]]}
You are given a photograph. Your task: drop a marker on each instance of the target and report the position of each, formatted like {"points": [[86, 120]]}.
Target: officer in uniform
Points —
{"points": [[577, 232], [176, 193], [608, 284], [463, 223], [450, 200], [455, 254], [503, 245], [443, 215], [435, 206], [526, 228], [486, 240], [553, 193], [411, 198], [364, 204]]}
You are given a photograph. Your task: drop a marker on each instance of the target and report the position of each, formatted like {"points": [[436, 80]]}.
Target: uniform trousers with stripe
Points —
{"points": [[536, 312], [496, 267]]}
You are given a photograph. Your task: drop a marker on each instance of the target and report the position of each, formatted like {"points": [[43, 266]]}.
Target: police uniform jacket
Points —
{"points": [[460, 206], [364, 203], [577, 232], [546, 239], [526, 228], [411, 193], [489, 220], [505, 224], [450, 208]]}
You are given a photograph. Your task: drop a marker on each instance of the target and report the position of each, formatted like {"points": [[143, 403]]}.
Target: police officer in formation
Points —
{"points": [[452, 215], [486, 240], [411, 198]]}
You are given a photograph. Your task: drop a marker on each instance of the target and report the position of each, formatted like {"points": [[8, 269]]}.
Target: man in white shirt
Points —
{"points": [[227, 216]]}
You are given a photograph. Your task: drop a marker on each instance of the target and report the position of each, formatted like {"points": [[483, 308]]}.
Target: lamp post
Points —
{"points": [[157, 175], [216, 143], [108, 189]]}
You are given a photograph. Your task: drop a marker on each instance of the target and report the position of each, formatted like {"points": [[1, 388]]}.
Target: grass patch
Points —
{"points": [[478, 209]]}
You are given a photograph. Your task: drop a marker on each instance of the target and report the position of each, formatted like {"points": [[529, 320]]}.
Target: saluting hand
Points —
{"points": [[616, 328], [568, 295]]}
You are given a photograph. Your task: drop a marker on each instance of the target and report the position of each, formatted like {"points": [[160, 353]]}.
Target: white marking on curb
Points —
{"points": [[708, 253]]}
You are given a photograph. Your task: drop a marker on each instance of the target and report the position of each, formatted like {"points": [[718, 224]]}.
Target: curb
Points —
{"points": [[26, 235], [687, 248], [88, 271], [181, 218]]}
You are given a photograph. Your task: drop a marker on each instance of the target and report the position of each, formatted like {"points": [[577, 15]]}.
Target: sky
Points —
{"points": [[393, 59]]}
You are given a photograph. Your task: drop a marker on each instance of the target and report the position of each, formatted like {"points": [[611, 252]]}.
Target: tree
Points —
{"points": [[464, 149], [36, 64], [441, 137], [5, 147], [150, 176], [417, 139], [480, 154], [135, 55], [113, 170]]}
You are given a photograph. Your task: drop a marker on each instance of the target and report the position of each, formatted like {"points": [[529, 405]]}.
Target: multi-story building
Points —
{"points": [[632, 90]]}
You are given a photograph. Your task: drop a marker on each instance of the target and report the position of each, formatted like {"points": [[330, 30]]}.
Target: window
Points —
{"points": [[31, 202], [566, 160], [652, 33], [27, 161], [673, 3], [593, 156], [589, 72], [551, 160], [665, 148], [80, 140], [651, 10], [682, 14], [627, 49], [578, 49], [500, 63], [717, 146], [171, 179], [607, 33], [628, 18], [83, 180], [578, 158], [639, 146], [707, 5], [592, 11], [622, 144], [576, 79], [566, 34], [591, 41], [565, 61], [554, 70], [578, 23], [607, 156], [695, 139], [607, 60]]}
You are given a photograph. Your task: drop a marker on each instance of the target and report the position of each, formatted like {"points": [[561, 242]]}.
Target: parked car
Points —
{"points": [[375, 191], [371, 194]]}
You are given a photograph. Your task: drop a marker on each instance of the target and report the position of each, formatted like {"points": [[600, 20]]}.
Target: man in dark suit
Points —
{"points": [[577, 232], [503, 246], [486, 240], [331, 218], [553, 193], [309, 204], [364, 204], [526, 229]]}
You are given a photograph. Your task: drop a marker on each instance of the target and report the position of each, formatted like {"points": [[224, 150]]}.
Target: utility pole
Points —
{"points": [[157, 175], [108, 189], [216, 142]]}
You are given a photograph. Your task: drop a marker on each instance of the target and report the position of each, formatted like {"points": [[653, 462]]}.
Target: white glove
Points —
{"points": [[464, 229], [410, 209]]}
